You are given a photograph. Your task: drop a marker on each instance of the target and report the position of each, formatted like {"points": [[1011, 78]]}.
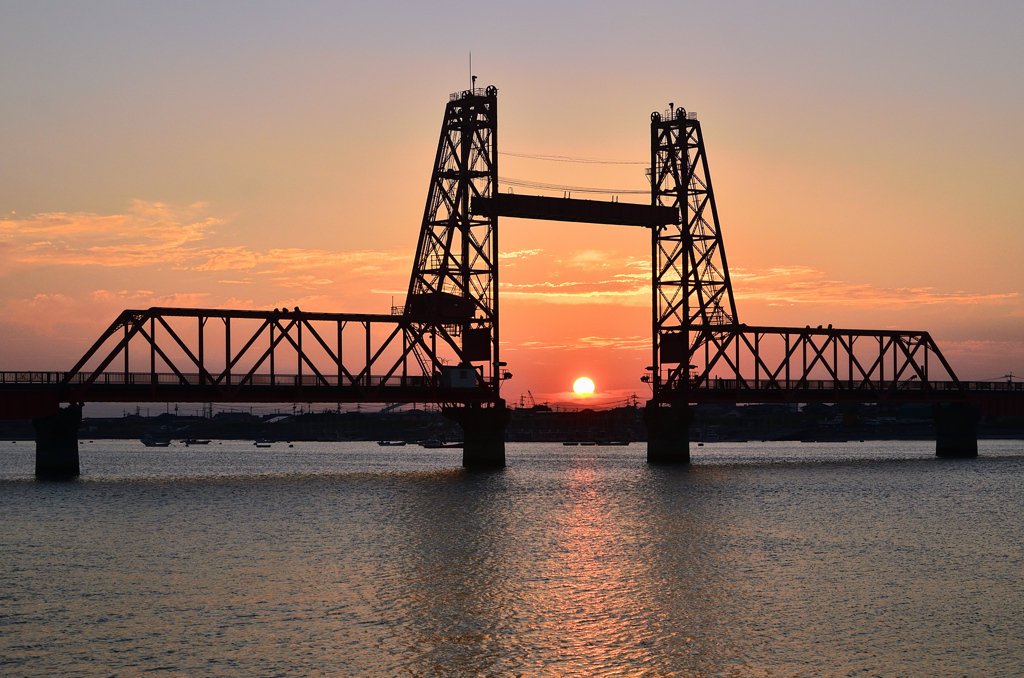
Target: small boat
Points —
{"points": [[262, 443], [569, 444], [391, 443], [589, 443], [193, 441], [150, 441], [438, 445]]}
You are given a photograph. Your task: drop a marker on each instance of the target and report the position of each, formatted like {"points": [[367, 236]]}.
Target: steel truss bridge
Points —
{"points": [[443, 344]]}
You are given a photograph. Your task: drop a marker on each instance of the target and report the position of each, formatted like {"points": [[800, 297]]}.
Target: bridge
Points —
{"points": [[443, 345]]}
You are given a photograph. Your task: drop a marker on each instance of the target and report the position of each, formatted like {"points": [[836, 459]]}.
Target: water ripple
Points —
{"points": [[758, 560]]}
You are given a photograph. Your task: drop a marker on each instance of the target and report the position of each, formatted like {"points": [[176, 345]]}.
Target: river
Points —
{"points": [[349, 559]]}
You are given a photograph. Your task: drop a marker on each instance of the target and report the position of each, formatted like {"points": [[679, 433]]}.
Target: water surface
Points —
{"points": [[761, 559]]}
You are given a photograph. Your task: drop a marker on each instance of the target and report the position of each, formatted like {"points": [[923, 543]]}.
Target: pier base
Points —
{"points": [[483, 430], [668, 433], [57, 444], [956, 430]]}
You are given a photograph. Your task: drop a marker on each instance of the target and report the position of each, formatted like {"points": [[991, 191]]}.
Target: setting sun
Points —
{"points": [[583, 387]]}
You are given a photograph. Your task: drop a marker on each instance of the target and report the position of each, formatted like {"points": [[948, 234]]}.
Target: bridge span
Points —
{"points": [[443, 345]]}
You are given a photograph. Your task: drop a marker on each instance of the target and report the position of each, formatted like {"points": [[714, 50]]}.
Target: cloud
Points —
{"points": [[152, 233], [227, 259], [504, 257], [777, 286], [301, 281], [47, 312], [629, 343], [590, 259], [619, 292], [983, 347], [593, 280], [82, 317], [805, 285], [149, 233], [277, 261]]}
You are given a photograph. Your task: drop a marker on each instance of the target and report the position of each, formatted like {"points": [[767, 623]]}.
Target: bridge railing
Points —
{"points": [[32, 377], [120, 379], [719, 384]]}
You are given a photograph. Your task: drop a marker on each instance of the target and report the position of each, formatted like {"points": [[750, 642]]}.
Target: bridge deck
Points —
{"points": [[25, 395], [38, 391], [574, 209]]}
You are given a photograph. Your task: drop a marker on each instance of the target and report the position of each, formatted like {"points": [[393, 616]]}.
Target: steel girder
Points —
{"points": [[740, 363], [331, 357]]}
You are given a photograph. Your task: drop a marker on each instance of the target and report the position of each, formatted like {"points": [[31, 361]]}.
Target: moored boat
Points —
{"points": [[438, 445]]}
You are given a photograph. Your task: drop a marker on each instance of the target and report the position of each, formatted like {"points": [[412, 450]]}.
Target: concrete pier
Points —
{"points": [[668, 433], [483, 431], [956, 430], [57, 444]]}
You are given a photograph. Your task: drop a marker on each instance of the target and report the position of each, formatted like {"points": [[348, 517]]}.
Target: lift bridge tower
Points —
{"points": [[692, 296], [454, 283], [702, 353]]}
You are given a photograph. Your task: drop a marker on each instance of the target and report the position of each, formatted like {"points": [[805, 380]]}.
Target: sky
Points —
{"points": [[867, 160]]}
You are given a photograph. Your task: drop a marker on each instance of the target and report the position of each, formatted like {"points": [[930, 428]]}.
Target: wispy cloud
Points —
{"points": [[595, 277], [806, 285], [152, 233], [518, 254], [276, 261], [619, 292], [612, 342], [593, 259], [148, 233], [777, 286], [983, 347], [59, 314], [301, 281]]}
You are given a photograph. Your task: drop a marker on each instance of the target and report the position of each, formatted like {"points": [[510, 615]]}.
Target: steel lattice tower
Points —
{"points": [[454, 281], [692, 293]]}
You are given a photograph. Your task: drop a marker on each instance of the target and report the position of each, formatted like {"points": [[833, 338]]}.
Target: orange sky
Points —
{"points": [[867, 164]]}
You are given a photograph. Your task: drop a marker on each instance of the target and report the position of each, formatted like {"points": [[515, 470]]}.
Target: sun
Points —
{"points": [[583, 387]]}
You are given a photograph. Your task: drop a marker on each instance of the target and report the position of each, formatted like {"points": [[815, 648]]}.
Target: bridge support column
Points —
{"points": [[956, 430], [483, 430], [668, 433], [57, 444]]}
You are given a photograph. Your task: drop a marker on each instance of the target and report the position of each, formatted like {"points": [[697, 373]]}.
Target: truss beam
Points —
{"points": [[398, 359], [776, 364], [575, 210]]}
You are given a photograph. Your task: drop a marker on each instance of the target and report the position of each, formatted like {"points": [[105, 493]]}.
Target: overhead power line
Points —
{"points": [[508, 181], [567, 158]]}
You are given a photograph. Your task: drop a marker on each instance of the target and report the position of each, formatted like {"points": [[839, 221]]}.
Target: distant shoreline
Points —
{"points": [[711, 423]]}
